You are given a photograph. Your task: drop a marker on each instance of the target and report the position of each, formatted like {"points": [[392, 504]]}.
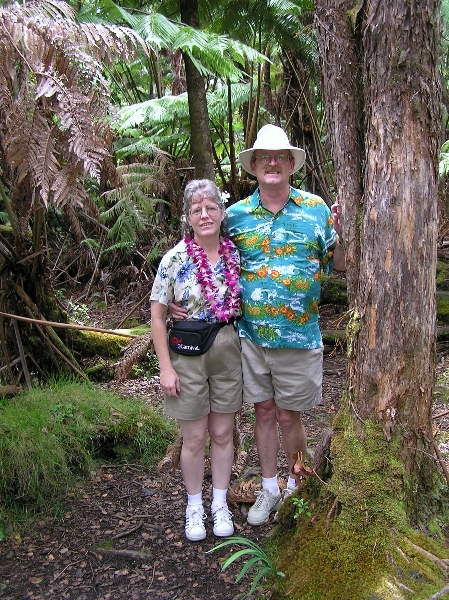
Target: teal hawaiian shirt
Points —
{"points": [[282, 258]]}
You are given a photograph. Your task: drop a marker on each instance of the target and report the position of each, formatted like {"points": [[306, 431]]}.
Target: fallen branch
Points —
{"points": [[61, 355], [125, 553], [134, 308], [68, 325]]}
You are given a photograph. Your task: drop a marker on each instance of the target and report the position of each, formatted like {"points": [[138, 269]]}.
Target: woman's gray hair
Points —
{"points": [[201, 187]]}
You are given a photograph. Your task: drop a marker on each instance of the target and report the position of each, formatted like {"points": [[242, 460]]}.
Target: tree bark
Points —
{"points": [[389, 222], [200, 140]]}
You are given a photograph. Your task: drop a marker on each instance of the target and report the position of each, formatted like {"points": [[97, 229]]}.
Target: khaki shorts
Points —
{"points": [[209, 382], [292, 376]]}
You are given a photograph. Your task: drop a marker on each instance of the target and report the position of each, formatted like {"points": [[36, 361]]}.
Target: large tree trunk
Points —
{"points": [[390, 233], [200, 140]]}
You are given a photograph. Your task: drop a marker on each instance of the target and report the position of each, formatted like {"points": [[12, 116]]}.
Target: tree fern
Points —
{"points": [[135, 204]]}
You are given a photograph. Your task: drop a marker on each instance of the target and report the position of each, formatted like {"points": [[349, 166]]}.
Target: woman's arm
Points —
{"points": [[169, 377]]}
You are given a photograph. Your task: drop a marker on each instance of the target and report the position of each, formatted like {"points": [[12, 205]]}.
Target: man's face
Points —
{"points": [[273, 167]]}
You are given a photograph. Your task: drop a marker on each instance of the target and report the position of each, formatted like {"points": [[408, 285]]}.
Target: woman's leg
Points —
{"points": [[222, 453], [192, 453], [221, 426]]}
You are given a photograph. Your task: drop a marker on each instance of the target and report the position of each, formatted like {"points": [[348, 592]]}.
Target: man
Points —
{"points": [[286, 238]]}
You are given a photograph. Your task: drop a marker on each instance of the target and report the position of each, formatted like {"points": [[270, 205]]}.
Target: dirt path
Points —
{"points": [[130, 509], [137, 514]]}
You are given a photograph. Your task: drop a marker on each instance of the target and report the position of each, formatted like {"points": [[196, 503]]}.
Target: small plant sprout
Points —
{"points": [[301, 507], [257, 559]]}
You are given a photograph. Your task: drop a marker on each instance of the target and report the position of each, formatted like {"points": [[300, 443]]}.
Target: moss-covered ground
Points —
{"points": [[357, 543]]}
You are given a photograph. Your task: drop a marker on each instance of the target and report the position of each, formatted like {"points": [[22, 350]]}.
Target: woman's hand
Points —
{"points": [[170, 382], [168, 376]]}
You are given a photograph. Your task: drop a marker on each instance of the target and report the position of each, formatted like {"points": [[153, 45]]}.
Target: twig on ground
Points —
{"points": [[69, 565], [445, 412], [128, 532]]}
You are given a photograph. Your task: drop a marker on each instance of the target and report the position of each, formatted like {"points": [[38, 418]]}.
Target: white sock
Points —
{"points": [[271, 484], [218, 499], [194, 500], [291, 484]]}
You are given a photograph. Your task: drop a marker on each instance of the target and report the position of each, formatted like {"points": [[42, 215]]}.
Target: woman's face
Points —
{"points": [[205, 217]]}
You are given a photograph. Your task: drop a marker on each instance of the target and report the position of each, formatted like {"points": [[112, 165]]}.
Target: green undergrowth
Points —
{"points": [[54, 435], [357, 542]]}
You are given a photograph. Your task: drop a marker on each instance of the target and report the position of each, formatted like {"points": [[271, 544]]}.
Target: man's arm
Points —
{"points": [[178, 312], [339, 255]]}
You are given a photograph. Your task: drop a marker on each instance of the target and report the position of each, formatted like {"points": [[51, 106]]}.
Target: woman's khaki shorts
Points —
{"points": [[209, 382], [292, 376]]}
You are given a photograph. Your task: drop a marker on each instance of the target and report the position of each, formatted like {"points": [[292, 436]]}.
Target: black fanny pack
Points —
{"points": [[193, 337]]}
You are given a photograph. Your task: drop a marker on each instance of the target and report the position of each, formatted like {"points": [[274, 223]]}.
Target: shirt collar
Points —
{"points": [[256, 204]]}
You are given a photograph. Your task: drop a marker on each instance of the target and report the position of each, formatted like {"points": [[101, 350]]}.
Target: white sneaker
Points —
{"points": [[287, 492], [265, 504], [195, 530], [223, 525]]}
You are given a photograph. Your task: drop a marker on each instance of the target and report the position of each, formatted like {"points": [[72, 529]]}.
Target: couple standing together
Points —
{"points": [[282, 240]]}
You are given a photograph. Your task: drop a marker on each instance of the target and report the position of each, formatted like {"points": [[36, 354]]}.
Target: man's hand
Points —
{"points": [[178, 312], [335, 210]]}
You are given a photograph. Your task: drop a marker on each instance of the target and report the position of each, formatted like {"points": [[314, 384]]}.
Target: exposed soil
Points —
{"points": [[136, 515]]}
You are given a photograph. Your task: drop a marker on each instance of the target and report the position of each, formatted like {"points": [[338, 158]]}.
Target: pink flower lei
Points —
{"points": [[222, 310]]}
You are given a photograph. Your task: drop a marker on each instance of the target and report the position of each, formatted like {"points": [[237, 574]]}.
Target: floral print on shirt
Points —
{"points": [[176, 280], [282, 258]]}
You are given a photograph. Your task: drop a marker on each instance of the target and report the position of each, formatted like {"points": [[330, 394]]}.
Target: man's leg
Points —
{"points": [[266, 435], [294, 436]]}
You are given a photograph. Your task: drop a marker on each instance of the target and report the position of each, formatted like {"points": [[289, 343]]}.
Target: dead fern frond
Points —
{"points": [[133, 352], [54, 99], [243, 492], [74, 222], [41, 155]]}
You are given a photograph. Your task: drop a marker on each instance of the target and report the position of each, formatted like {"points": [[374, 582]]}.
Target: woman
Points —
{"points": [[202, 391]]}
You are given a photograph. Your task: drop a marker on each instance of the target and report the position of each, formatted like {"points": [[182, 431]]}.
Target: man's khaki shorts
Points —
{"points": [[209, 382], [292, 376]]}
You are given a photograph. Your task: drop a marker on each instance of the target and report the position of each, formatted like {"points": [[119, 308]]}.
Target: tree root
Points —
{"points": [[125, 553], [442, 563], [329, 514], [440, 593], [440, 459]]}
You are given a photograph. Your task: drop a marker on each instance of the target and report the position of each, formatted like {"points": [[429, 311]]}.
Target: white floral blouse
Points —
{"points": [[176, 280]]}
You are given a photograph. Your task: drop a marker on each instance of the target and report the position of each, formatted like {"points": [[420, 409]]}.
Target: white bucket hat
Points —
{"points": [[271, 137]]}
